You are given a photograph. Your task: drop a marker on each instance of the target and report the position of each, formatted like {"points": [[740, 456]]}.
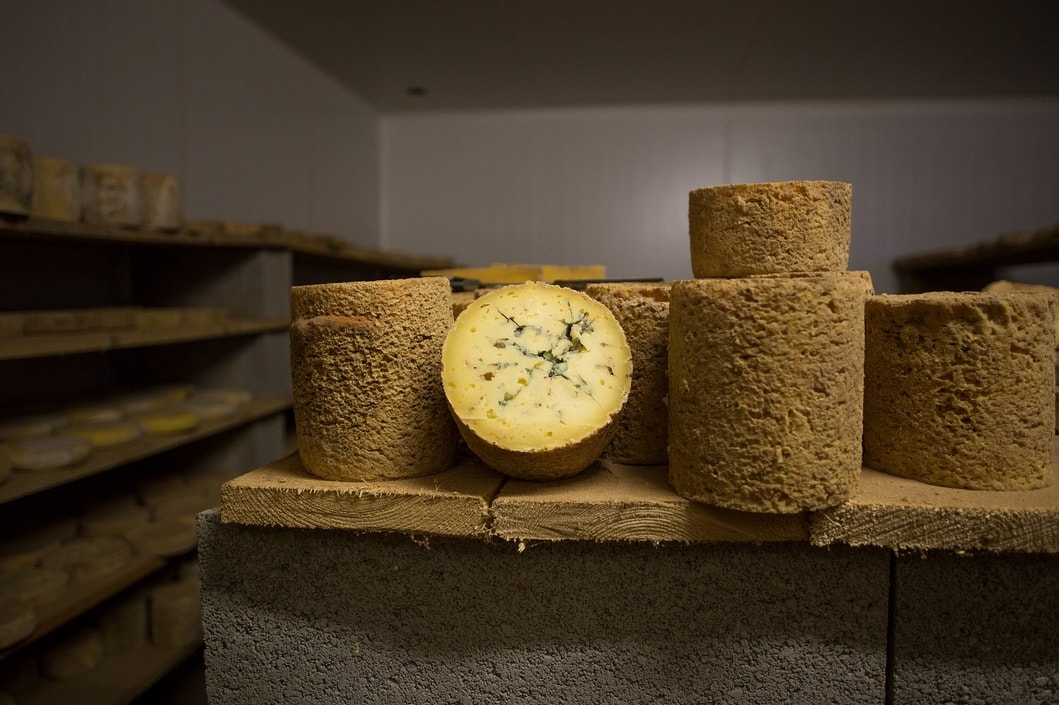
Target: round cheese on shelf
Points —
{"points": [[18, 619], [72, 654], [166, 537], [210, 409], [56, 190], [48, 452], [536, 375], [163, 202], [89, 558], [16, 175], [103, 433], [168, 420], [95, 413], [232, 395], [31, 426], [36, 586], [111, 194]]}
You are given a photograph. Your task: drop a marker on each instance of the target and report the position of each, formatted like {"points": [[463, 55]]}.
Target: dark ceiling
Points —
{"points": [[402, 55]]}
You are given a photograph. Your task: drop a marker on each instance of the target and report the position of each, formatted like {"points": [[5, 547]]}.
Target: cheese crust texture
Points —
{"points": [[536, 376]]}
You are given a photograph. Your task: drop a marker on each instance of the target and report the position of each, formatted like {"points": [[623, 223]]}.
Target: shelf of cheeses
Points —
{"points": [[30, 334], [46, 450], [227, 234]]}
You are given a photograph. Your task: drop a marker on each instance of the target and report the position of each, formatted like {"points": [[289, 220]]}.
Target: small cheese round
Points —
{"points": [[960, 388], [18, 619], [31, 426], [16, 175], [111, 194], [536, 376], [163, 202], [96, 413], [738, 230], [168, 420], [89, 558], [643, 310], [56, 190], [166, 537], [102, 433], [48, 452], [36, 586], [365, 372]]}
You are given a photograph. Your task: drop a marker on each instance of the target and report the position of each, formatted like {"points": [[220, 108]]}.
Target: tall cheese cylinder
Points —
{"points": [[766, 391], [163, 202], [642, 309], [56, 190], [366, 376], [960, 388], [111, 194], [739, 230], [16, 176]]}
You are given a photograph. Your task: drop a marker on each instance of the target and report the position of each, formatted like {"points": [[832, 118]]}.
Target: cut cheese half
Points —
{"points": [[535, 375]]}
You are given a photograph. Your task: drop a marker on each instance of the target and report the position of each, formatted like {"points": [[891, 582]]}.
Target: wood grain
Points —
{"points": [[614, 502], [452, 503], [899, 513]]}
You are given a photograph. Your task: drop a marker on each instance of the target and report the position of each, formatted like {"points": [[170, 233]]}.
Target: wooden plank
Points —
{"points": [[899, 513], [83, 596], [30, 346], [22, 484], [614, 502], [1022, 247], [118, 680], [451, 503]]}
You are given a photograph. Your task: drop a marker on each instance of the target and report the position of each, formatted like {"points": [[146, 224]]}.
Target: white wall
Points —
{"points": [[191, 88], [610, 185]]}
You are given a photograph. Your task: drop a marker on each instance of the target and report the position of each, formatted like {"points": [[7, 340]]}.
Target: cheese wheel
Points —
{"points": [[535, 375], [56, 190], [168, 420], [95, 413], [114, 518], [17, 621], [175, 614], [72, 654], [35, 586], [16, 175], [31, 426], [48, 452], [794, 226], [103, 433], [163, 202], [766, 391], [959, 388], [111, 194], [366, 377], [230, 395], [642, 432], [210, 409], [89, 558], [167, 537]]}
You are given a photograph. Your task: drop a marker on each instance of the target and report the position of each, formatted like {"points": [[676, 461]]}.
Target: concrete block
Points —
{"points": [[333, 616], [976, 629]]}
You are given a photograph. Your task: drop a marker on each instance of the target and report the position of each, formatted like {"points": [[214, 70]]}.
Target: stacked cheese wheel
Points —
{"points": [[766, 350]]}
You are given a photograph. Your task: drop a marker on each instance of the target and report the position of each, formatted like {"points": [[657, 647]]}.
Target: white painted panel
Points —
{"points": [[565, 187], [94, 81], [191, 88], [611, 185], [924, 176]]}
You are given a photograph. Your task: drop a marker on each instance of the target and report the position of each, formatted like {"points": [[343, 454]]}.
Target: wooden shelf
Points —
{"points": [[83, 596], [116, 681], [34, 345], [247, 237], [22, 484], [613, 502]]}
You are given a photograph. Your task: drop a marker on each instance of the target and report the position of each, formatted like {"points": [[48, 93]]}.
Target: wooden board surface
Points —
{"points": [[613, 502], [898, 513], [452, 503]]}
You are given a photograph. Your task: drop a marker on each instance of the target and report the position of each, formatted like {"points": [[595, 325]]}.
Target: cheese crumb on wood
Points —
{"points": [[536, 375]]}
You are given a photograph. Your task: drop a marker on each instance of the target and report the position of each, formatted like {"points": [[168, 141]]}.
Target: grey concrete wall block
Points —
{"points": [[300, 616]]}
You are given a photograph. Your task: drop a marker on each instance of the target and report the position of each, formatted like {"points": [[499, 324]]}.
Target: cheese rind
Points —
{"points": [[536, 376], [48, 452]]}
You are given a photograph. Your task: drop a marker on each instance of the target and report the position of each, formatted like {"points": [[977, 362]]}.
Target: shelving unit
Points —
{"points": [[248, 272]]}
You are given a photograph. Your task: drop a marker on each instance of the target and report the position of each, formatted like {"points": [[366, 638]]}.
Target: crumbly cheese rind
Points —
{"points": [[738, 230], [642, 309], [365, 368], [766, 391], [536, 376], [960, 388]]}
